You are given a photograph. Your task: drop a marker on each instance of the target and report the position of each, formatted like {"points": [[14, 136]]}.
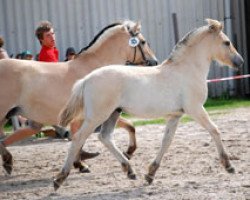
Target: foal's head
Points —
{"points": [[221, 47]]}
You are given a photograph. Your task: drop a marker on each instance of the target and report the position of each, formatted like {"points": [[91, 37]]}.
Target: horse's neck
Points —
{"points": [[89, 61], [197, 62]]}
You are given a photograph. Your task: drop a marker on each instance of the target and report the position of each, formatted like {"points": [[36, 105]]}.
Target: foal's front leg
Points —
{"points": [[201, 116], [105, 137], [166, 141]]}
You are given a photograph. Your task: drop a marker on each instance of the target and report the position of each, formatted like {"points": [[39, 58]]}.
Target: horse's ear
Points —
{"points": [[214, 25], [131, 27], [126, 27], [137, 27]]}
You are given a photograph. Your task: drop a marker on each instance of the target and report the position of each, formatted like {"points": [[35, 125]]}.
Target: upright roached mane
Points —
{"points": [[169, 90]]}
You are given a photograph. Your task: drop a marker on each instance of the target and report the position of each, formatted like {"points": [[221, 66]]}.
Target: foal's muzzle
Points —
{"points": [[151, 62], [237, 60]]}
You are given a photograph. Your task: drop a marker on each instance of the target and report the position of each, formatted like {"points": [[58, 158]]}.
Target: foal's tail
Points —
{"points": [[74, 106]]}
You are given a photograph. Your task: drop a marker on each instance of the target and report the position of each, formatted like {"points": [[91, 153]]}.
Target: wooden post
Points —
{"points": [[176, 30]]}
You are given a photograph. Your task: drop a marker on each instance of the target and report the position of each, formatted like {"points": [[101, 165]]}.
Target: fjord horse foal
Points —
{"points": [[169, 90]]}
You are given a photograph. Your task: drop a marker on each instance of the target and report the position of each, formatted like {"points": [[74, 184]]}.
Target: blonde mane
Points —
{"points": [[192, 38], [106, 33]]}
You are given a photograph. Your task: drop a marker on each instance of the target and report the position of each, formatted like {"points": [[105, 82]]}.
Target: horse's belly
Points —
{"points": [[45, 109], [144, 110]]}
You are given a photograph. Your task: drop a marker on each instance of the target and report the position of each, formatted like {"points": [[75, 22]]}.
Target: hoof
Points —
{"points": [[60, 178], [230, 170], [127, 155], [132, 176], [86, 155], [7, 162], [149, 179], [84, 169], [56, 185]]}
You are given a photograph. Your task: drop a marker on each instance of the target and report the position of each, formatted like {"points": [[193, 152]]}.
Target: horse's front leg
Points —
{"points": [[105, 137], [166, 141], [123, 123], [78, 140], [20, 134], [201, 116]]}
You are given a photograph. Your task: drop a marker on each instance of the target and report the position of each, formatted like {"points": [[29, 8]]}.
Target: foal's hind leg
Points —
{"points": [[105, 137], [201, 116], [123, 123], [78, 141], [82, 155], [166, 141]]}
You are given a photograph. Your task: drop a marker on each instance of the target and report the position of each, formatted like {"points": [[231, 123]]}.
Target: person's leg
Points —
{"points": [[15, 123]]}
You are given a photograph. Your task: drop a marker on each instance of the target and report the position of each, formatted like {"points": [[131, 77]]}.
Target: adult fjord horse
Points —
{"points": [[38, 90], [175, 87]]}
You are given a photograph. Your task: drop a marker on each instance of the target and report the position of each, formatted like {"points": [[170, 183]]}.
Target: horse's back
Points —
{"points": [[23, 80], [125, 87], [24, 66], [117, 79]]}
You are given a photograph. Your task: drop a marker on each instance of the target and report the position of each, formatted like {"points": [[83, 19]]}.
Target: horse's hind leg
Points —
{"points": [[201, 116], [105, 138], [166, 141], [123, 123]]}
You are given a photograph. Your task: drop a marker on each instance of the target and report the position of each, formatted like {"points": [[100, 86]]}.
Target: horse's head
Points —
{"points": [[121, 43], [137, 49], [222, 48]]}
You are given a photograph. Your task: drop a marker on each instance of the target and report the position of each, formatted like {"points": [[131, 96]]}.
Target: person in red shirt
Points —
{"points": [[46, 36], [49, 53]]}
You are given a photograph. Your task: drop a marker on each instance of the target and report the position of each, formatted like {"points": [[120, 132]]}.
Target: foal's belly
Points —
{"points": [[152, 108]]}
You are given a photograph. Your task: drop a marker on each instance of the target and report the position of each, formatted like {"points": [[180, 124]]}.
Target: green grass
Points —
{"points": [[213, 106], [221, 104]]}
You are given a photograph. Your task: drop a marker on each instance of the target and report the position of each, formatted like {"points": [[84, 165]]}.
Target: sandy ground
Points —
{"points": [[189, 170]]}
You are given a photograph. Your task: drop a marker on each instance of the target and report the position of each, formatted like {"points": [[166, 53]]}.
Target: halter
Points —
{"points": [[134, 36]]}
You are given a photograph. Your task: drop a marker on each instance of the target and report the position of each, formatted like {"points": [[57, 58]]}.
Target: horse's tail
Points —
{"points": [[74, 106]]}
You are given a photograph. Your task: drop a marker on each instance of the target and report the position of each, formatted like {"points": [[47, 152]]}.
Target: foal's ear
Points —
{"points": [[214, 26]]}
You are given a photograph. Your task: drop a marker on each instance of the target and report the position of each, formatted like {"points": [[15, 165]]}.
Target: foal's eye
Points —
{"points": [[227, 43]]}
